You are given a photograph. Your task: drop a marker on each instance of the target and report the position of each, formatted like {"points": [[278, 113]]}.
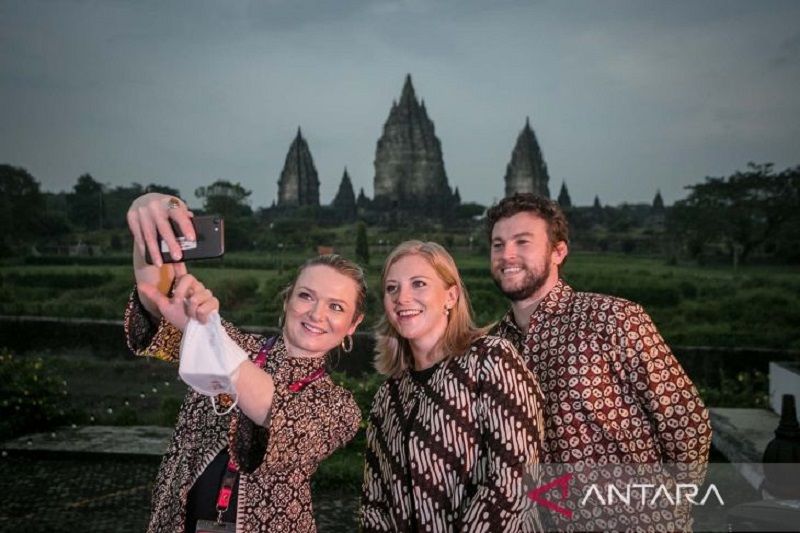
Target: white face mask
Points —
{"points": [[210, 359]]}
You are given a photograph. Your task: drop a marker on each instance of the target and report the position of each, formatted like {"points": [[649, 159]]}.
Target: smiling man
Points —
{"points": [[614, 392]]}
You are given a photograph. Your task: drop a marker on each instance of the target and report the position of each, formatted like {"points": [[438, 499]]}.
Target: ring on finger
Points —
{"points": [[173, 203]]}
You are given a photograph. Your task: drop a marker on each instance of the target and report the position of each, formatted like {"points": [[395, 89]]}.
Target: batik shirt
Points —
{"points": [[450, 453], [304, 428], [613, 390], [613, 394]]}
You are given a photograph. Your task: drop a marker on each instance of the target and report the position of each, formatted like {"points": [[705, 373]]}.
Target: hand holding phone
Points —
{"points": [[210, 241]]}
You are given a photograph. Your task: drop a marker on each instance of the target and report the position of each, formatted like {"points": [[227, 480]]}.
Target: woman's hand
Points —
{"points": [[190, 299], [148, 218]]}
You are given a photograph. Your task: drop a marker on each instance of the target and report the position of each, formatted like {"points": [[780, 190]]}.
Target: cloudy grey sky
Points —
{"points": [[625, 97]]}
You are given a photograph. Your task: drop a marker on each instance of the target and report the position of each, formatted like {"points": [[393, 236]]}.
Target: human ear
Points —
{"points": [[355, 324], [452, 297], [559, 253]]}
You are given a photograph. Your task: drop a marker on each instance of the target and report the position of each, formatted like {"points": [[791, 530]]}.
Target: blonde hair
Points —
{"points": [[344, 267], [393, 352]]}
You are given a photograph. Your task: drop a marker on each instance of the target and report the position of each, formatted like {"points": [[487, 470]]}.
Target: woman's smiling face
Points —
{"points": [[416, 300], [319, 311]]}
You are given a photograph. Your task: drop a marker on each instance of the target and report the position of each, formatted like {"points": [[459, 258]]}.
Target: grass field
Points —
{"points": [[701, 306]]}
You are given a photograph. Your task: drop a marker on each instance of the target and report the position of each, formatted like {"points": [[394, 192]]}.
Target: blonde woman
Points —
{"points": [[458, 422], [249, 470]]}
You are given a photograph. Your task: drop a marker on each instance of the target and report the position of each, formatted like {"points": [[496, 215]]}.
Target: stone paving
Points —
{"points": [[99, 479]]}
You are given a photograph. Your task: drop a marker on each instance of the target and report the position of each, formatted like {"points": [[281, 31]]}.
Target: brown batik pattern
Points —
{"points": [[613, 390], [473, 432], [304, 428]]}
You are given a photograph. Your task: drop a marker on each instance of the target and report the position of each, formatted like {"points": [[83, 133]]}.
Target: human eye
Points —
{"points": [[337, 307], [522, 241], [418, 283], [303, 295], [390, 288], [497, 245]]}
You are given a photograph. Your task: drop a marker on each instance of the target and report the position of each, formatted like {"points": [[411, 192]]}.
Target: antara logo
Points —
{"points": [[641, 493]]}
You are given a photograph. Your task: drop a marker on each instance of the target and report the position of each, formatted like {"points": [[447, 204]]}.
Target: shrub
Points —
{"points": [[746, 389], [32, 397], [169, 411]]}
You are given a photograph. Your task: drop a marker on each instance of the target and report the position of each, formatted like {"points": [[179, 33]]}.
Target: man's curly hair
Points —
{"points": [[544, 208]]}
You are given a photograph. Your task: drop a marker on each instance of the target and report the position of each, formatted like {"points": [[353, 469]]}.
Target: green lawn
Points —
{"points": [[707, 306]]}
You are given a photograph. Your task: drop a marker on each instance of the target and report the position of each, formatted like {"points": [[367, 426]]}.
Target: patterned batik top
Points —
{"points": [[614, 392], [304, 428], [450, 453]]}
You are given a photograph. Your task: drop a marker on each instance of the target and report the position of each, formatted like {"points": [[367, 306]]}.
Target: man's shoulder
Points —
{"points": [[595, 301]]}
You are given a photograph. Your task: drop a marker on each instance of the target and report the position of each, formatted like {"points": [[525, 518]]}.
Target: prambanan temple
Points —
{"points": [[410, 175]]}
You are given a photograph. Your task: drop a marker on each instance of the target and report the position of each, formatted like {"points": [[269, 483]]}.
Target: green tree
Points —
{"points": [[362, 247], [225, 198], [21, 206], [741, 213], [86, 203]]}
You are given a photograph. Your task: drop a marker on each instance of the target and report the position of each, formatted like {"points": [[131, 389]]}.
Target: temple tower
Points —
{"points": [[409, 168], [527, 171], [299, 183]]}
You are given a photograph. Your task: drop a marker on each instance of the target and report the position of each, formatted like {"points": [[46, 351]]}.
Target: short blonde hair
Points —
{"points": [[393, 352], [344, 267]]}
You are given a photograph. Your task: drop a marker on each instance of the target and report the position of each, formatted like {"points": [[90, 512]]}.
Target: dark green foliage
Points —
{"points": [[31, 396], [225, 198], [168, 410], [469, 210], [56, 280], [745, 389], [749, 211], [362, 247], [21, 207], [86, 203]]}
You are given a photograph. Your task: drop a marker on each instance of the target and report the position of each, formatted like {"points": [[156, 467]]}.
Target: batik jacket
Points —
{"points": [[452, 454], [304, 428]]}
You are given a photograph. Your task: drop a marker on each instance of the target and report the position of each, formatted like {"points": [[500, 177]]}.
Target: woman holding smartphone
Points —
{"points": [[457, 424], [248, 470]]}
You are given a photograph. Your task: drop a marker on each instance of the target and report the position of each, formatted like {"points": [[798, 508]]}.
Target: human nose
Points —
{"points": [[402, 294], [316, 312], [508, 252]]}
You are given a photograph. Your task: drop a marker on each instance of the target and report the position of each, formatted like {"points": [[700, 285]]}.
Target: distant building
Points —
{"points": [[409, 168], [345, 200], [563, 197], [299, 183], [527, 171], [658, 202]]}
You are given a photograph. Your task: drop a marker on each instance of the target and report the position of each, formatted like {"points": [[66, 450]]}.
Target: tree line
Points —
{"points": [[753, 214]]}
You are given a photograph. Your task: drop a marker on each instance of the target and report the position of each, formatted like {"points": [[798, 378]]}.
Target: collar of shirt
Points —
{"points": [[555, 302]]}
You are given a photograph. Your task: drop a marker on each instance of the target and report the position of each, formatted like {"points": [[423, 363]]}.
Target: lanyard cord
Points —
{"points": [[232, 471]]}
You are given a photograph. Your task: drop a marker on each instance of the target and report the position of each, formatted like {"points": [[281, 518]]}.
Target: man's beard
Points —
{"points": [[531, 283]]}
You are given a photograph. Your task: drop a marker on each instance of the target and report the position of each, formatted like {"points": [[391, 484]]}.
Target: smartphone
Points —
{"points": [[210, 243]]}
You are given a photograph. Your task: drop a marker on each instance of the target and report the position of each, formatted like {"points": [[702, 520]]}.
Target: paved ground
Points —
{"points": [[104, 493], [99, 478]]}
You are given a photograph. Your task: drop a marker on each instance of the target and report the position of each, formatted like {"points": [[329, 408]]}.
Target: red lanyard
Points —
{"points": [[232, 471]]}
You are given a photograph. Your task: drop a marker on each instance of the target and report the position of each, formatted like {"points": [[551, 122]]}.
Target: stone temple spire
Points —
{"points": [[527, 171], [658, 201], [345, 200], [299, 183], [563, 197], [409, 168]]}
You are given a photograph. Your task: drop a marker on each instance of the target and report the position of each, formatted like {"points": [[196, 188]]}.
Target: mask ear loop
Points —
{"points": [[227, 411]]}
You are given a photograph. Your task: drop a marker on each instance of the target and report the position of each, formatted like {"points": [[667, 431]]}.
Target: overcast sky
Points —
{"points": [[625, 97]]}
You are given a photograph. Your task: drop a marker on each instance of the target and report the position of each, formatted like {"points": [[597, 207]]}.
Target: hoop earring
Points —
{"points": [[349, 348]]}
